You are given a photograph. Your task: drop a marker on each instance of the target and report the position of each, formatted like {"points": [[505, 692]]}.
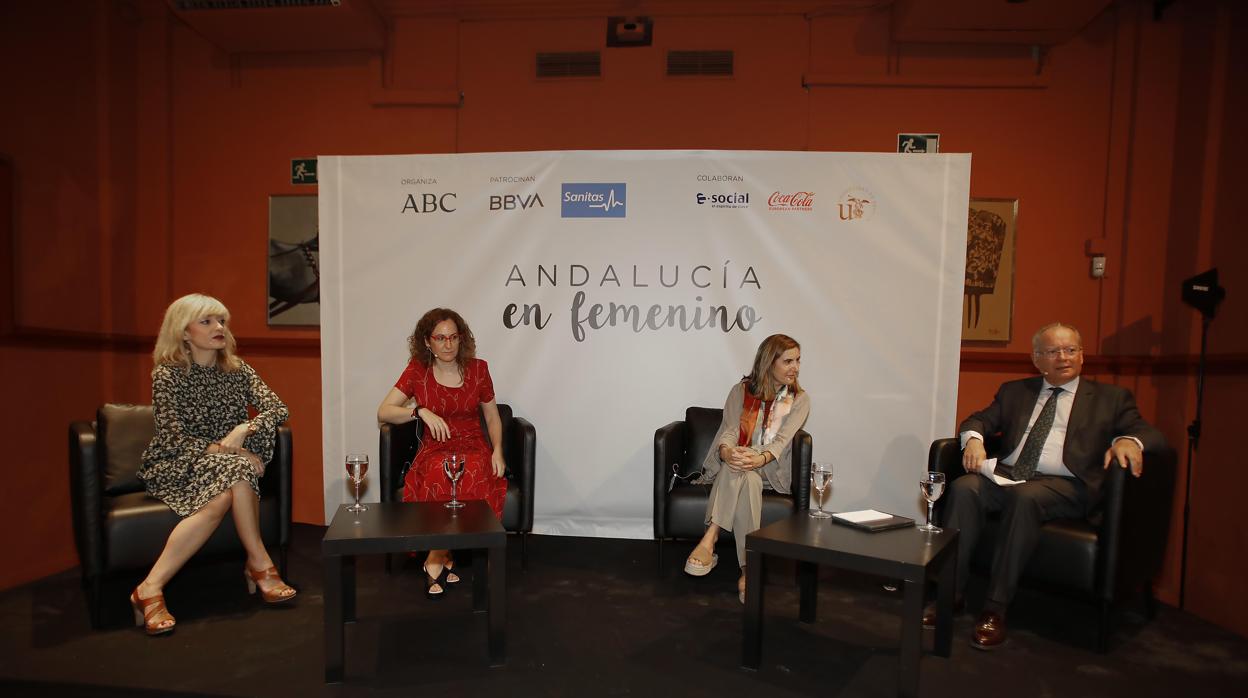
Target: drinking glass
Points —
{"points": [[931, 485], [453, 466], [820, 478], [357, 468]]}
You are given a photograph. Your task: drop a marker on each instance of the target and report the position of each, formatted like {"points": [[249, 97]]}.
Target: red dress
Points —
{"points": [[425, 481]]}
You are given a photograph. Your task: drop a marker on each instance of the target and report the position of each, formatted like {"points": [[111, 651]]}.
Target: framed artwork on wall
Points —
{"points": [[294, 261], [988, 292]]}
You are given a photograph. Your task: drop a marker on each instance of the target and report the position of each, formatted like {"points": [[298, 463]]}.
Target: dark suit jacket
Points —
{"points": [[1100, 413]]}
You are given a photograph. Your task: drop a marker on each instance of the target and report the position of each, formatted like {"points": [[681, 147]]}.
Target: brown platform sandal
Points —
{"points": [[150, 613], [280, 593]]}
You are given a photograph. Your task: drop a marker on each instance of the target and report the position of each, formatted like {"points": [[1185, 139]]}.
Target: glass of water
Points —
{"points": [[931, 485], [357, 468], [453, 466], [820, 479]]}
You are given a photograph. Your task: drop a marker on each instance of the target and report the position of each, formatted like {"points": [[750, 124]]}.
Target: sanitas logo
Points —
{"points": [[797, 201], [593, 200], [857, 204], [513, 202], [737, 200]]}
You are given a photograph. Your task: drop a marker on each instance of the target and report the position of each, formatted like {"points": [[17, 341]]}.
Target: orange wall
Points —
{"points": [[143, 159]]}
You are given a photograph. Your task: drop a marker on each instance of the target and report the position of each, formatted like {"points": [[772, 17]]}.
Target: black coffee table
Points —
{"points": [[398, 527], [907, 554]]}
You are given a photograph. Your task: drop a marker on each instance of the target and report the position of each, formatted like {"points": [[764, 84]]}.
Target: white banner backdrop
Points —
{"points": [[611, 290]]}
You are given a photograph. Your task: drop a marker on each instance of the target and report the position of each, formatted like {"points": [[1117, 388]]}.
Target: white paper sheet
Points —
{"points": [[862, 516], [989, 470]]}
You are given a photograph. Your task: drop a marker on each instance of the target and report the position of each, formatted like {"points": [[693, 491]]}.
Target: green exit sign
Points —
{"points": [[303, 171]]}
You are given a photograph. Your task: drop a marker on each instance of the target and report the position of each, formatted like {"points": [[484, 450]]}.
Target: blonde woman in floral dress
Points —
{"points": [[207, 457]]}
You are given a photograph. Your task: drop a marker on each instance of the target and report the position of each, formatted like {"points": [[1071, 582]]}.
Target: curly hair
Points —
{"points": [[173, 349], [759, 382], [424, 330]]}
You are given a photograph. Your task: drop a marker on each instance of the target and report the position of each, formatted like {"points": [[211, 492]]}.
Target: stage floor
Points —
{"points": [[587, 618]]}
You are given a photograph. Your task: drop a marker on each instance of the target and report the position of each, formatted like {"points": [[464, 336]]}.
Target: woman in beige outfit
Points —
{"points": [[751, 451]]}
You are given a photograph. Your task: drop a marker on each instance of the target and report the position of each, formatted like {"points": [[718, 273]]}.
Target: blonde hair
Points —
{"points": [[760, 383], [172, 349]]}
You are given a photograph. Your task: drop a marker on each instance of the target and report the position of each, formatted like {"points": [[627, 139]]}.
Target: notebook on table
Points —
{"points": [[872, 520]]}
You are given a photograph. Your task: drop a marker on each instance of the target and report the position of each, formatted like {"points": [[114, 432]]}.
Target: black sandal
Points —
{"points": [[431, 581], [448, 569]]}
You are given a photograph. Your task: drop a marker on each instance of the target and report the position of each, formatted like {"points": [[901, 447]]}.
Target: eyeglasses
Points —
{"points": [[445, 338], [1068, 352]]}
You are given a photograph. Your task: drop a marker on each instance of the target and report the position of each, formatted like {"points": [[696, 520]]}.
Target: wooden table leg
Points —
{"points": [[807, 584], [348, 588], [911, 637], [334, 566], [946, 588], [480, 581], [752, 623], [497, 613]]}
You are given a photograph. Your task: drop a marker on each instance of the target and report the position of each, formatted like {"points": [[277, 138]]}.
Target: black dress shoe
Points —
{"points": [[989, 631], [929, 612]]}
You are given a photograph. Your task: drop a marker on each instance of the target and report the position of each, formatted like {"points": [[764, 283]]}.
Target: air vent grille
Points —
{"points": [[699, 62], [575, 64], [186, 5]]}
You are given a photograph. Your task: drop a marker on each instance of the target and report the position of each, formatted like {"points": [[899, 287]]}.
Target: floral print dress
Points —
{"points": [[195, 408]]}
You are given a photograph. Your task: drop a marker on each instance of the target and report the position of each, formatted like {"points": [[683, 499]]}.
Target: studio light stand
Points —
{"points": [[1203, 293]]}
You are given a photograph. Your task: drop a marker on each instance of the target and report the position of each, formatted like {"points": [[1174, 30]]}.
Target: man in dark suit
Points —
{"points": [[1058, 435]]}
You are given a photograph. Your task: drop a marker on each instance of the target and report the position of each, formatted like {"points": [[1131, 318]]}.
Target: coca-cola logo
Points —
{"points": [[796, 201]]}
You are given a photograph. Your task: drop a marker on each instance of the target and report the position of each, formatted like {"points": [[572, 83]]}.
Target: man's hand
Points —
{"points": [[973, 455], [1126, 452]]}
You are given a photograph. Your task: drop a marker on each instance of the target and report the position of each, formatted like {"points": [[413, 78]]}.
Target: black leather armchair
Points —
{"points": [[118, 527], [680, 508], [399, 444], [1111, 555]]}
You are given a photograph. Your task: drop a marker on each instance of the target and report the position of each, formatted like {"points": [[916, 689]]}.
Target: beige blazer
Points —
{"points": [[778, 472]]}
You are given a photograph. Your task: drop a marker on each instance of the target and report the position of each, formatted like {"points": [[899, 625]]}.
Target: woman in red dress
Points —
{"points": [[448, 388]]}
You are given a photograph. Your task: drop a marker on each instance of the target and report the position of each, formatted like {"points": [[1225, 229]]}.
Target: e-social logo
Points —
{"points": [[593, 200], [734, 200]]}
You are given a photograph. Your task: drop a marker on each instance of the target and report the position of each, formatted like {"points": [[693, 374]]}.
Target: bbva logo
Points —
{"points": [[511, 202]]}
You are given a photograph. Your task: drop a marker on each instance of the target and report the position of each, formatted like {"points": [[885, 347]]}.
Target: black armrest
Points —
{"points": [[520, 452], [397, 446], [1144, 522], [86, 492], [945, 456], [278, 478], [669, 450], [800, 469], [1112, 495]]}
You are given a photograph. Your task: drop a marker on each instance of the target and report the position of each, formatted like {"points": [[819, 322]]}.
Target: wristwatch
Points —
{"points": [[251, 428]]}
